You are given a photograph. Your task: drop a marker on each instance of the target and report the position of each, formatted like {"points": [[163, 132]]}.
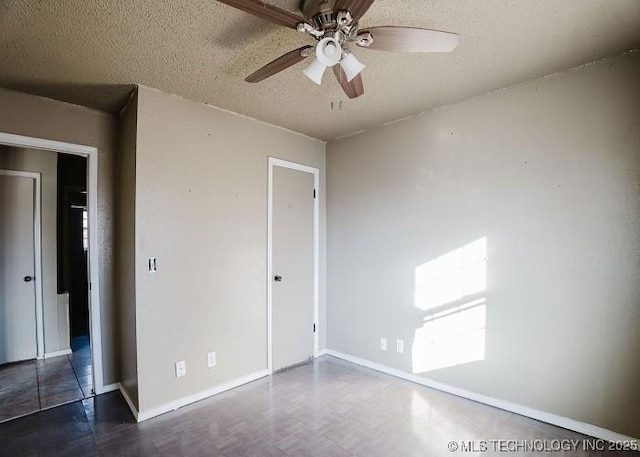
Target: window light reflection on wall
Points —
{"points": [[454, 332], [452, 276], [452, 337]]}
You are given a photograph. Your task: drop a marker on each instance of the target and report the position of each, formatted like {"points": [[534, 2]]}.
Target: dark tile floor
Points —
{"points": [[325, 408], [34, 385]]}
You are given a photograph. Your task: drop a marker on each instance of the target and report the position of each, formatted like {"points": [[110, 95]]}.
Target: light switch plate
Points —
{"points": [[400, 346], [383, 344], [153, 265], [181, 369]]}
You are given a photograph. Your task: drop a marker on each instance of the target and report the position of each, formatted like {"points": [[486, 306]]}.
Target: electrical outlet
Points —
{"points": [[181, 369], [383, 344], [211, 359], [400, 346]]}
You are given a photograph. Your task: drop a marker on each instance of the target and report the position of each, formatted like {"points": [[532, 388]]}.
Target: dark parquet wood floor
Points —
{"points": [[325, 408]]}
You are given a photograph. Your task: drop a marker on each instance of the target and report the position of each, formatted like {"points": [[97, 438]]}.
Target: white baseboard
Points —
{"points": [[127, 398], [322, 352], [549, 418], [179, 403], [109, 388], [49, 355]]}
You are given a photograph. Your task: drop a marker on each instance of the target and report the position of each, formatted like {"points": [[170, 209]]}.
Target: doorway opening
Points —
{"points": [[60, 301]]}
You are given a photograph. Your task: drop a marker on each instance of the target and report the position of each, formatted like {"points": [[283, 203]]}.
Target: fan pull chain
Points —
{"points": [[340, 92], [333, 104], [333, 98]]}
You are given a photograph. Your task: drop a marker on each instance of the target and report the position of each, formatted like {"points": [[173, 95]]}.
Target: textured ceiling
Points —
{"points": [[90, 52]]}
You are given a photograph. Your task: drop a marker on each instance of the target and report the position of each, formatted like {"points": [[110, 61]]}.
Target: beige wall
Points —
{"points": [[56, 321], [43, 118], [549, 172], [125, 259], [201, 210]]}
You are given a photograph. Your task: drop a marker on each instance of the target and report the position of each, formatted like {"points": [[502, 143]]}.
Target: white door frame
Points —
{"points": [[273, 162], [91, 153], [37, 250]]}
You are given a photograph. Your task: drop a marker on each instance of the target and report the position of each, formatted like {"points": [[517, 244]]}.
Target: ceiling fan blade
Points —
{"points": [[281, 63], [353, 89], [357, 8], [411, 39], [266, 11]]}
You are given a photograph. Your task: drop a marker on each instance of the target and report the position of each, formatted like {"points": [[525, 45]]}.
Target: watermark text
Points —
{"points": [[539, 445]]}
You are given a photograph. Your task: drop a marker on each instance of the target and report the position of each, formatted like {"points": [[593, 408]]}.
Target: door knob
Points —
{"points": [[277, 278], [28, 278]]}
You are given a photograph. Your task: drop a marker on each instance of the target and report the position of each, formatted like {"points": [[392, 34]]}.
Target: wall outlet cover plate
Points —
{"points": [[211, 359]]}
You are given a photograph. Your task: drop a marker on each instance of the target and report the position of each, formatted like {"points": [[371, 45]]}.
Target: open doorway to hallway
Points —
{"points": [[45, 343]]}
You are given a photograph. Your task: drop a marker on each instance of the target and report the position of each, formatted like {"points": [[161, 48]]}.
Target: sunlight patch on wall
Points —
{"points": [[450, 287], [452, 276], [451, 338]]}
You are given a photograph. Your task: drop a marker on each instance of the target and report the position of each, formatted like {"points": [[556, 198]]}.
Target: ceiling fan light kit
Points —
{"points": [[334, 24], [329, 53]]}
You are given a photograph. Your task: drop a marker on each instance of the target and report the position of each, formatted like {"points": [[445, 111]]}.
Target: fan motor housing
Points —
{"points": [[319, 12]]}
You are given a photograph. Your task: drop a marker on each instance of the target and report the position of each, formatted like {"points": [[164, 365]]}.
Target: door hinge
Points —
{"points": [[314, 194], [314, 328], [89, 286]]}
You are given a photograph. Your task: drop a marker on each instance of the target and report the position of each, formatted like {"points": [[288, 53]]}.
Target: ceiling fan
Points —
{"points": [[334, 24]]}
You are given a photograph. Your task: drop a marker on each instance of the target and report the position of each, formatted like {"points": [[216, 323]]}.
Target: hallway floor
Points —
{"points": [[34, 385], [327, 408]]}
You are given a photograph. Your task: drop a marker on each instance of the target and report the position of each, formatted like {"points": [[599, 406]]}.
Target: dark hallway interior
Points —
{"points": [[73, 243]]}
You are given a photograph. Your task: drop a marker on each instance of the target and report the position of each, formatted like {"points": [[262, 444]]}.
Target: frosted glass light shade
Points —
{"points": [[351, 66], [315, 71], [329, 51]]}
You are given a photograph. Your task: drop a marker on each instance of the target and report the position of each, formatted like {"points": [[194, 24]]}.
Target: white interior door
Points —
{"points": [[293, 267], [17, 269]]}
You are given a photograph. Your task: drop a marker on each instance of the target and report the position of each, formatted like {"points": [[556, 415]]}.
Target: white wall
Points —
{"points": [[55, 316], [549, 173], [201, 211]]}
